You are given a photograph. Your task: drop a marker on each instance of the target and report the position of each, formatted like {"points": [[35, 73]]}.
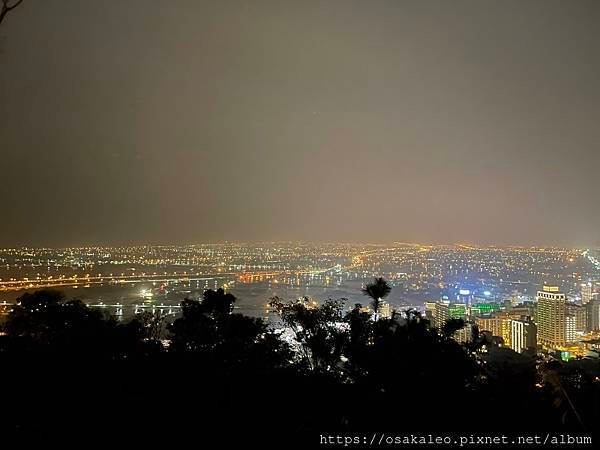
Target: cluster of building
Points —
{"points": [[551, 324]]}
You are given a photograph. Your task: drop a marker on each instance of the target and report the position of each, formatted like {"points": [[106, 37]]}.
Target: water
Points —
{"points": [[252, 298]]}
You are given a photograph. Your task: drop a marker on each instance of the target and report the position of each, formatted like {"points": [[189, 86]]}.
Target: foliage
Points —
{"points": [[45, 321], [210, 327], [318, 329], [451, 326], [377, 291], [327, 368]]}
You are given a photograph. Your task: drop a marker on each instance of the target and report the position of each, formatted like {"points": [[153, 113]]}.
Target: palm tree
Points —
{"points": [[377, 290]]}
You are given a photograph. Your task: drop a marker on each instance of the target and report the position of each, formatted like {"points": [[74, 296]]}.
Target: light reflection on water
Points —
{"points": [[252, 298]]}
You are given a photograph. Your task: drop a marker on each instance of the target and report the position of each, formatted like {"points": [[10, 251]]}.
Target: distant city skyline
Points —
{"points": [[130, 243], [328, 121], [305, 221]]}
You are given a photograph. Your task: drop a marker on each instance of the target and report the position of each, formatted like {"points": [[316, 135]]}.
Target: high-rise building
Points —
{"points": [[570, 328], [441, 313], [483, 309], [506, 330], [593, 315], [445, 310], [580, 314], [587, 293], [492, 324], [551, 321], [385, 310], [430, 312], [465, 334], [501, 324], [523, 335]]}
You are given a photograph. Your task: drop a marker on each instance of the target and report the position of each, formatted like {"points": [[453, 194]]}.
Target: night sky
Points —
{"points": [[139, 121]]}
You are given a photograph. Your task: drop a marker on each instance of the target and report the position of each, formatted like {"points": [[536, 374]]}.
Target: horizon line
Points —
{"points": [[300, 242]]}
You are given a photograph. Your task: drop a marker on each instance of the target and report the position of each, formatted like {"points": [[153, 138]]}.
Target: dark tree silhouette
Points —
{"points": [[377, 291], [195, 330], [44, 320], [7, 6], [198, 327], [209, 328], [361, 329], [342, 370], [218, 302], [317, 329], [451, 326], [406, 353], [153, 326]]}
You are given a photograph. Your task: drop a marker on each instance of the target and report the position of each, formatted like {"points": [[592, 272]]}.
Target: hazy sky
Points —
{"points": [[190, 121]]}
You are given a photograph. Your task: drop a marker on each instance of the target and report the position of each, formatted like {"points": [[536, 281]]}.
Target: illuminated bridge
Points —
{"points": [[118, 308], [138, 308], [86, 281]]}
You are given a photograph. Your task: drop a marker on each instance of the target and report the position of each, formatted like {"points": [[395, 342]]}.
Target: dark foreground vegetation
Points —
{"points": [[71, 374]]}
